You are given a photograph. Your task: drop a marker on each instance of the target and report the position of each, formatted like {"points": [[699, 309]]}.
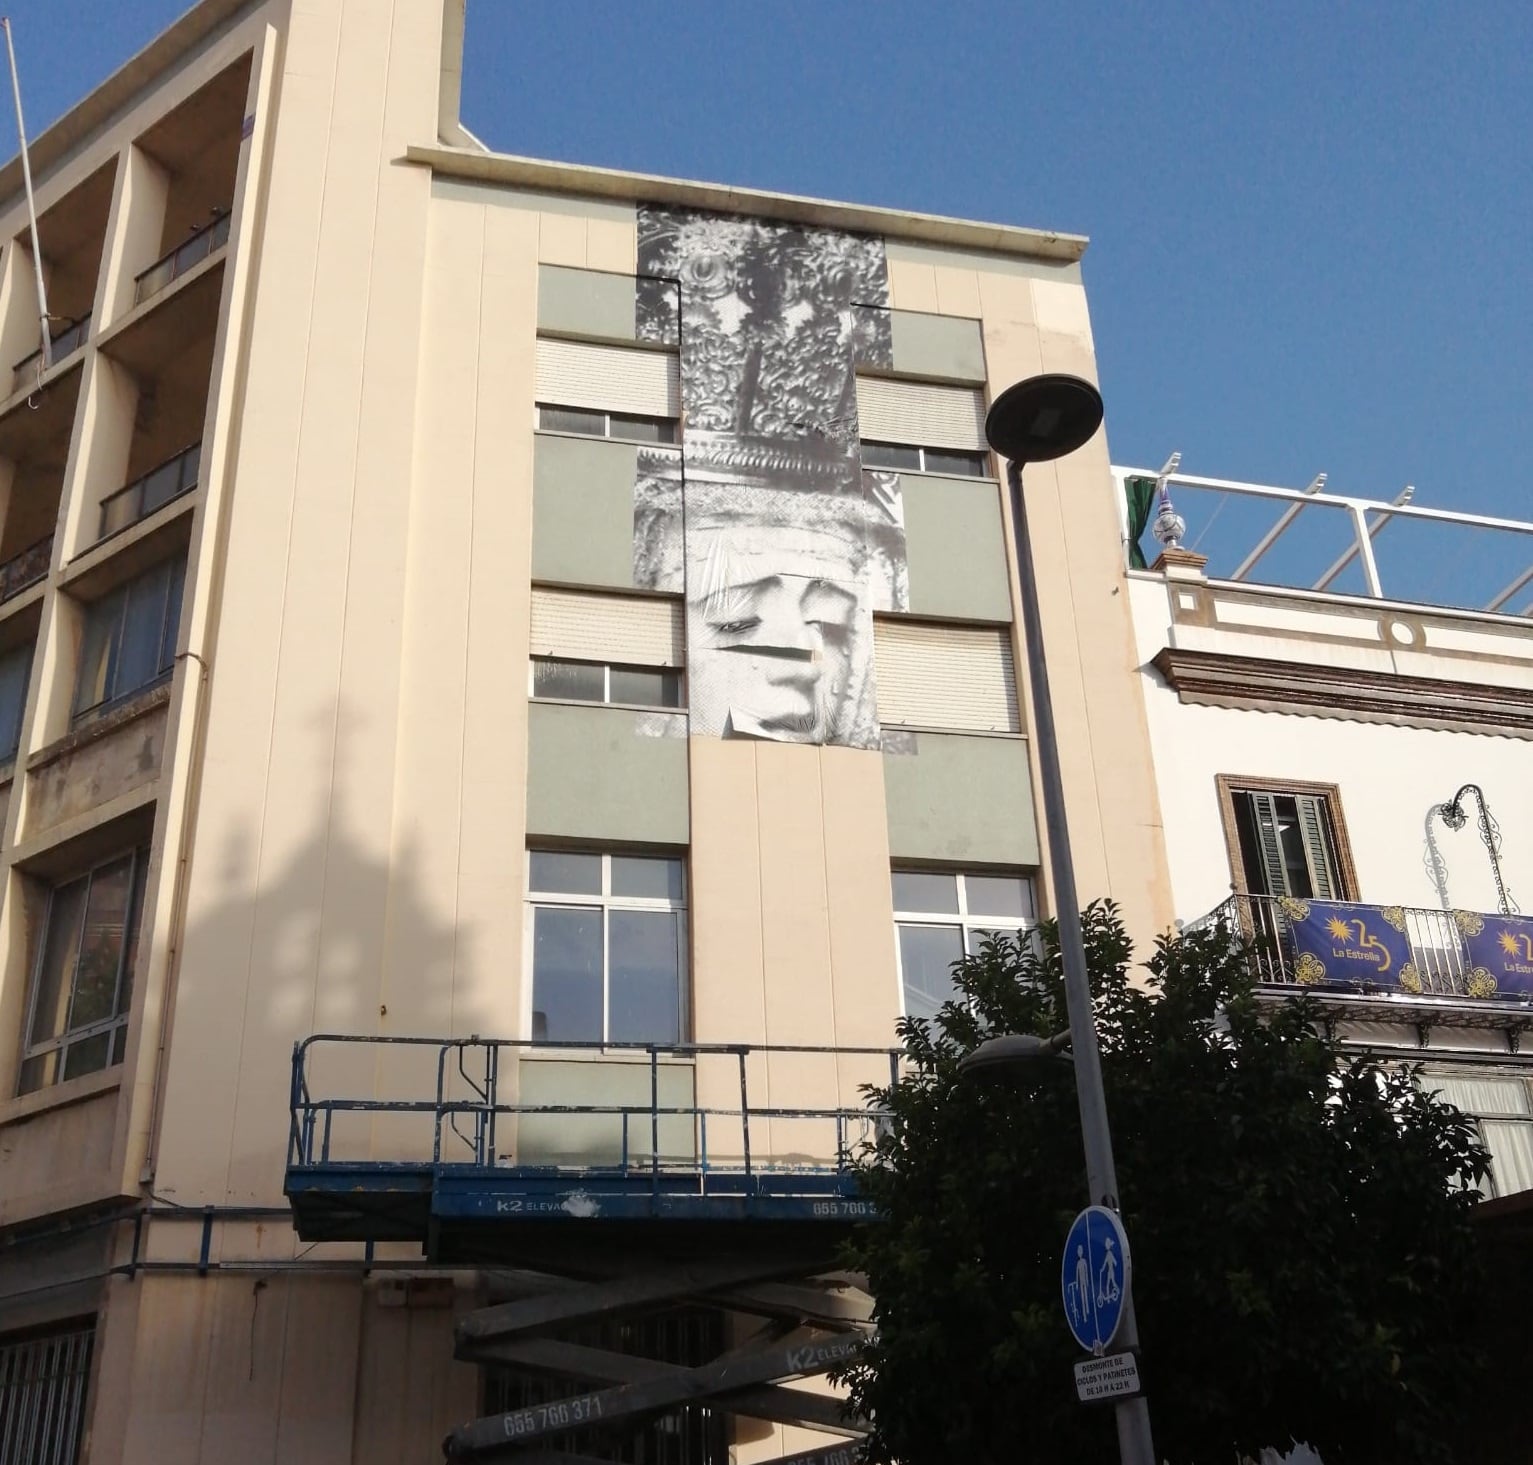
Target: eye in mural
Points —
{"points": [[782, 546]]}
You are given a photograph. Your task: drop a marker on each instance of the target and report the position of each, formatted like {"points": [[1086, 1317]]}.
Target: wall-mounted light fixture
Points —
{"points": [[1454, 816]]}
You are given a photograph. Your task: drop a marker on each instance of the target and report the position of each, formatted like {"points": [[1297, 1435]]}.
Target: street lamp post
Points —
{"points": [[1036, 421]]}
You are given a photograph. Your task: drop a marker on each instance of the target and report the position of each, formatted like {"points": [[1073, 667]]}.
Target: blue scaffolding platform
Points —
{"points": [[457, 1142]]}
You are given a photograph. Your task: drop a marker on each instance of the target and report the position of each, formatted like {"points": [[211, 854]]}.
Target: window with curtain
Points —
{"points": [[1502, 1109]]}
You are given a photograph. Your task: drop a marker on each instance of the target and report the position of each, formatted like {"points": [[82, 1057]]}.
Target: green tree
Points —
{"points": [[1304, 1258]]}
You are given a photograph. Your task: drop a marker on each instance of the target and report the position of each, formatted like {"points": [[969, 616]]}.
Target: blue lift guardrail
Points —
{"points": [[457, 1154]]}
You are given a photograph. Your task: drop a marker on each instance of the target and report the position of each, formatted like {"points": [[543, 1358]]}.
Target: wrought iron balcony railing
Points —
{"points": [[183, 257], [153, 490], [26, 568], [1439, 967]]}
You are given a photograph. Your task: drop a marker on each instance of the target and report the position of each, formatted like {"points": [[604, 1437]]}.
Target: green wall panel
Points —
{"points": [[956, 549], [582, 510], [961, 799], [937, 346], [586, 303], [592, 774]]}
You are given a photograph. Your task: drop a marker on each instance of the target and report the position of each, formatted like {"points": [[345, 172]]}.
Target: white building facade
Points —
{"points": [[1334, 747]]}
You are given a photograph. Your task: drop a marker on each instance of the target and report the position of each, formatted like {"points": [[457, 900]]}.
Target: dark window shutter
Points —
{"points": [[1264, 817], [1314, 825]]}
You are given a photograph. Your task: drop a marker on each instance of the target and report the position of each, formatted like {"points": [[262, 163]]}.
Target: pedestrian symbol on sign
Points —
{"points": [[1095, 1277]]}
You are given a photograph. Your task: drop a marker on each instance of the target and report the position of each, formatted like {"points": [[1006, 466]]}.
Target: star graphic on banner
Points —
{"points": [[1337, 929], [1507, 942]]}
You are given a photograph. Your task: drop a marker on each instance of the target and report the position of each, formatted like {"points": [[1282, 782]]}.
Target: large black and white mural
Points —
{"points": [[781, 545]]}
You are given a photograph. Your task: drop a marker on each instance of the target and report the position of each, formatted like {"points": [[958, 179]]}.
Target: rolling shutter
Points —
{"points": [[621, 630], [609, 378], [958, 677], [918, 412]]}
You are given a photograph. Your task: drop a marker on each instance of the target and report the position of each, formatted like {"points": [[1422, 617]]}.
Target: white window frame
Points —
{"points": [[607, 667], [962, 918], [71, 1037], [985, 467], [1481, 1118], [607, 902], [607, 434]]}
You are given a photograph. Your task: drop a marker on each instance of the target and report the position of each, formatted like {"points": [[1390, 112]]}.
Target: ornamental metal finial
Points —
{"points": [[1169, 526]]}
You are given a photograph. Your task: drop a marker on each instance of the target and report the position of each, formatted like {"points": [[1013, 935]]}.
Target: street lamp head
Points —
{"points": [[1011, 1055], [1043, 417]]}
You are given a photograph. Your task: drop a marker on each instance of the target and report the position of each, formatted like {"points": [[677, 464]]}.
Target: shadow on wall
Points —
{"points": [[324, 926], [1432, 857]]}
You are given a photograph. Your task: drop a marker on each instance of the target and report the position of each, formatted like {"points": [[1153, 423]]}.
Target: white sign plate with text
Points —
{"points": [[1100, 1379]]}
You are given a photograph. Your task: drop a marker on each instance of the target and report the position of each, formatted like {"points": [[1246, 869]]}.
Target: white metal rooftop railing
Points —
{"points": [[1335, 543]]}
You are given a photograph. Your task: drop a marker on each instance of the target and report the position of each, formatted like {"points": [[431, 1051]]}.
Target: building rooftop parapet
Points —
{"points": [[612, 183], [1328, 546]]}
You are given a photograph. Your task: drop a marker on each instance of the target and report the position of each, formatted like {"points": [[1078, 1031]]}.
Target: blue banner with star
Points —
{"points": [[1500, 951], [1336, 942]]}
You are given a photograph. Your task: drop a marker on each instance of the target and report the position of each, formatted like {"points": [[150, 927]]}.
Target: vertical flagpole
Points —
{"points": [[26, 175]]}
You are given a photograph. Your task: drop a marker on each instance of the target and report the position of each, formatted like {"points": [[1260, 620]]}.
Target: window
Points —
{"points": [[1287, 839], [608, 939], [1503, 1113], [83, 980], [588, 647], [911, 459], [942, 915], [943, 676], [43, 1378], [942, 427], [607, 391], [590, 423], [129, 641], [588, 681], [15, 670]]}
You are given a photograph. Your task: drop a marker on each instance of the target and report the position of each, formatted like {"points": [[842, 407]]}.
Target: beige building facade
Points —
{"points": [[464, 606]]}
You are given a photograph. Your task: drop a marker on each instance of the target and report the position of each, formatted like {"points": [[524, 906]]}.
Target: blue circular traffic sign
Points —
{"points": [[1094, 1277]]}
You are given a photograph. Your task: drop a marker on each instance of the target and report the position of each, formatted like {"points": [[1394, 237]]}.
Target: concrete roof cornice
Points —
{"points": [[96, 110], [611, 183]]}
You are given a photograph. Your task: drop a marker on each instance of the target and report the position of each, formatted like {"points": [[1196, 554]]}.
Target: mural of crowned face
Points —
{"points": [[778, 631], [784, 548]]}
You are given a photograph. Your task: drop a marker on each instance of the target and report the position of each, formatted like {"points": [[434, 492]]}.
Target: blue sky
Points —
{"points": [[1311, 224]]}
